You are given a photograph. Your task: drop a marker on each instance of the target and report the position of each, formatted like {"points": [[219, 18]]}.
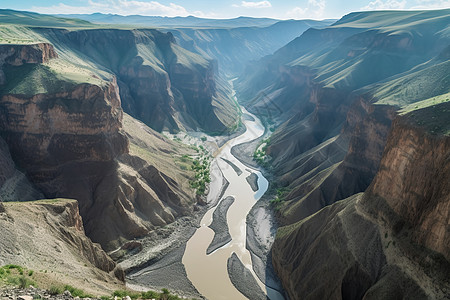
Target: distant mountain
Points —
{"points": [[234, 48], [9, 16], [171, 22]]}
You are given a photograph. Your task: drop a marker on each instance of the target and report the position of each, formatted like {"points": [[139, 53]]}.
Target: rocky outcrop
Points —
{"points": [[413, 182], [49, 235], [38, 128], [17, 55]]}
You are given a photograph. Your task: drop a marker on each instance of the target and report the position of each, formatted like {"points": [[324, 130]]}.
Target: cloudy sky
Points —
{"points": [[282, 9]]}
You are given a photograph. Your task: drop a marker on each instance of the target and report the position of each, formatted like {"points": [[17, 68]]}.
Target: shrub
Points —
{"points": [[25, 282], [149, 295], [18, 268], [13, 280], [55, 290], [75, 292]]}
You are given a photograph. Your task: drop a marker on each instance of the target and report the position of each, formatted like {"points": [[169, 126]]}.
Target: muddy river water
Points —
{"points": [[209, 273]]}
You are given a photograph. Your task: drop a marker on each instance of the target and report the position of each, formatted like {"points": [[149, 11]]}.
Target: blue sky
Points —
{"points": [[282, 9]]}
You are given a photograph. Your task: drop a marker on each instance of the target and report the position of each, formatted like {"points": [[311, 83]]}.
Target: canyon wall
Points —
{"points": [[392, 241], [63, 128]]}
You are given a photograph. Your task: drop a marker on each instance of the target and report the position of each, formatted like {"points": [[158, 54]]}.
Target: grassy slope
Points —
{"points": [[9, 16]]}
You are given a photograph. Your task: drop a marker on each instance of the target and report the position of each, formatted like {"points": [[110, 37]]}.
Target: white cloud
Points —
{"points": [[387, 4], [249, 4], [314, 9], [122, 7]]}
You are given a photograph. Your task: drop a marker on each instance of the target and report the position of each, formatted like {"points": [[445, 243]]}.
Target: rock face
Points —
{"points": [[413, 180], [67, 135], [18, 55], [161, 84], [49, 235], [392, 241]]}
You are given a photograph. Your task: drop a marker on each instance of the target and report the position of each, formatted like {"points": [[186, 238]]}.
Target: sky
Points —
{"points": [[280, 9]]}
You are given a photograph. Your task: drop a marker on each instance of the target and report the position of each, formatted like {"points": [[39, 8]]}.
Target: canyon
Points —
{"points": [[113, 124]]}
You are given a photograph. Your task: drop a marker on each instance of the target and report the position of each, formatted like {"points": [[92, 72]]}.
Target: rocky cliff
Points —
{"points": [[392, 241], [161, 83], [413, 183], [62, 122]]}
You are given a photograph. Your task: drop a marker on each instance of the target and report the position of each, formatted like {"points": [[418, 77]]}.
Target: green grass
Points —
{"points": [[163, 295], [16, 276], [56, 76], [433, 101], [8, 16], [431, 114]]}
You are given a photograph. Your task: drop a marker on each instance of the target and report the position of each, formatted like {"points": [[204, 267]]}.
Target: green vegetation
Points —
{"points": [[14, 275], [34, 19], [21, 277], [281, 194], [200, 166], [431, 114], [55, 290], [164, 295], [77, 292], [260, 155]]}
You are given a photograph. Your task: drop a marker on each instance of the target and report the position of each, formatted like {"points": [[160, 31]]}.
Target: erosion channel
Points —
{"points": [[209, 272]]}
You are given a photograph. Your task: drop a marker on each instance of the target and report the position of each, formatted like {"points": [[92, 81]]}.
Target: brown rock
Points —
{"points": [[413, 180], [17, 55]]}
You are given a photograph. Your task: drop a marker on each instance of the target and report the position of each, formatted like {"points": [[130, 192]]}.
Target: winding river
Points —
{"points": [[209, 273]]}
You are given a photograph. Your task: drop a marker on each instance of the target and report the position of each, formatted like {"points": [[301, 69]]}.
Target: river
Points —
{"points": [[209, 273]]}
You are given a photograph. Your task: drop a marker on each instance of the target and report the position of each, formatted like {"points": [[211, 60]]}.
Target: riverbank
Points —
{"points": [[160, 263]]}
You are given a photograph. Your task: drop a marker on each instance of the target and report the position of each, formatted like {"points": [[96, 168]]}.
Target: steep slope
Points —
{"points": [[390, 242], [49, 235], [162, 84], [62, 121], [365, 108], [334, 93]]}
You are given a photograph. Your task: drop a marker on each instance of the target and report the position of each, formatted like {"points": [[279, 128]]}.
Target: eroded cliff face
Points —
{"points": [[70, 142], [38, 128], [392, 241], [18, 55], [49, 235], [413, 181], [161, 84]]}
